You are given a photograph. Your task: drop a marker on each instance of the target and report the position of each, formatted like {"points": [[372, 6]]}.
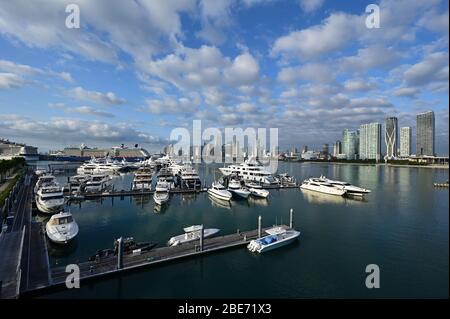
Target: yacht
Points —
{"points": [[143, 179], [97, 183], [188, 178], [192, 233], [319, 185], [77, 182], [251, 184], [277, 237], [165, 175], [87, 168], [50, 199], [351, 189], [44, 180], [161, 195], [250, 170], [219, 191], [61, 228], [259, 192], [235, 187], [286, 180]]}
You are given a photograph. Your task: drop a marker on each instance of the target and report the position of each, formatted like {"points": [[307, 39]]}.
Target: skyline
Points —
{"points": [[136, 71]]}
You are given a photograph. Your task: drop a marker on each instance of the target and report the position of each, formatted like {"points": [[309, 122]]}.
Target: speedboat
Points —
{"points": [[97, 183], [318, 185], [250, 170], [142, 179], [50, 199], [219, 191], [44, 180], [259, 192], [192, 233], [277, 237], [236, 188], [161, 195], [61, 228], [351, 189]]}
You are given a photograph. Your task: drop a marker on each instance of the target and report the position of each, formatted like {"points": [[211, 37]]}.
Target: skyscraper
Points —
{"points": [[350, 144], [337, 148], [425, 134], [391, 137], [405, 141], [370, 141]]}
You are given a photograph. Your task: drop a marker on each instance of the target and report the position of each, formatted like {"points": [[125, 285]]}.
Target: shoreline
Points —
{"points": [[378, 164]]}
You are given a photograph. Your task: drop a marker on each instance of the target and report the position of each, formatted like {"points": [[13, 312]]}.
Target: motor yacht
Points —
{"points": [[219, 191], [166, 176], [319, 185], [77, 182], [44, 180], [143, 179], [188, 178], [259, 192], [161, 195], [277, 237], [351, 189], [50, 199], [97, 183], [249, 170], [235, 187], [192, 233], [61, 228]]}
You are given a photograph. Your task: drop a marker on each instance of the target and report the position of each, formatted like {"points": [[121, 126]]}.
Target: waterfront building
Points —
{"points": [[350, 144], [337, 148], [325, 151], [405, 141], [391, 137], [425, 134], [370, 141]]}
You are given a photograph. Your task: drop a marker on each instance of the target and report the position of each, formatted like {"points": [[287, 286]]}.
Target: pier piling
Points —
{"points": [[291, 218], [119, 253], [202, 233], [259, 226]]}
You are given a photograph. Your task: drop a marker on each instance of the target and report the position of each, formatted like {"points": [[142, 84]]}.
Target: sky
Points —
{"points": [[135, 70]]}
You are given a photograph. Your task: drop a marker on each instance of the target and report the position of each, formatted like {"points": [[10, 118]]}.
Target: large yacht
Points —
{"points": [[77, 182], [50, 199], [277, 237], [44, 180], [250, 170], [192, 233], [235, 187], [161, 195], [165, 175], [143, 179], [219, 191], [351, 189], [61, 228], [97, 183], [319, 185], [188, 178]]}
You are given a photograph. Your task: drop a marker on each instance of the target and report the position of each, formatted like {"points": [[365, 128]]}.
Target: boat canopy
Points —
{"points": [[192, 228], [276, 230]]}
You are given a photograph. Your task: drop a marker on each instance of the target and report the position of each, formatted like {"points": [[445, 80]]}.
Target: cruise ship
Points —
{"points": [[9, 150], [84, 153], [250, 170]]}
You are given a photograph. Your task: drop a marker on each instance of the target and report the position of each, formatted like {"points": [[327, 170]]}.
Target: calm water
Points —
{"points": [[402, 226]]}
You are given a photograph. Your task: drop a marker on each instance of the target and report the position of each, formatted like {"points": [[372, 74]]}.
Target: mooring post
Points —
{"points": [[259, 226], [70, 189], [291, 218], [119, 253], [202, 234]]}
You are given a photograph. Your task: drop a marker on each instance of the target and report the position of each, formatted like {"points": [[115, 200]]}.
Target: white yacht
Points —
{"points": [[251, 184], [87, 168], [351, 189], [318, 185], [77, 182], [97, 183], [161, 195], [188, 178], [236, 188], [219, 191], [143, 179], [278, 236], [250, 170], [50, 199], [61, 228], [44, 180], [259, 192], [166, 176], [192, 233]]}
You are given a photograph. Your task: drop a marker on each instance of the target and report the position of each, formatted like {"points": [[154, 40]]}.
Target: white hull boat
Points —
{"points": [[161, 195], [217, 190], [351, 189], [277, 237], [258, 192], [50, 199], [192, 233], [318, 185], [61, 228]]}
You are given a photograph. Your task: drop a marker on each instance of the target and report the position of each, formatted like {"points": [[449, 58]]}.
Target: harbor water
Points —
{"points": [[401, 226]]}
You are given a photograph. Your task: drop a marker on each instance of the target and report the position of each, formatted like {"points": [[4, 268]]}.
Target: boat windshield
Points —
{"points": [[61, 220]]}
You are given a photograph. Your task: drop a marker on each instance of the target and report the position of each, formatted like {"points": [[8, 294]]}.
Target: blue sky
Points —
{"points": [[137, 69]]}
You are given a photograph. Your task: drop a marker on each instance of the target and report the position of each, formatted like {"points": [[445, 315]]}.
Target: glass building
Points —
{"points": [[425, 134], [350, 144], [370, 141]]}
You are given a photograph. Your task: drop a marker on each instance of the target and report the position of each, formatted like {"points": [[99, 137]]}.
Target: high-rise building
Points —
{"points": [[370, 141], [405, 141], [391, 137], [325, 151], [425, 134], [350, 144], [337, 148]]}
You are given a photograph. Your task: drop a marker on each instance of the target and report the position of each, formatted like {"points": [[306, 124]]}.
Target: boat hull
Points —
{"points": [[49, 208], [279, 244], [334, 192], [219, 195]]}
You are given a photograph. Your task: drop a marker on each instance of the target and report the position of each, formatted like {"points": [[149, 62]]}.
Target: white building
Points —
{"points": [[370, 141], [405, 141]]}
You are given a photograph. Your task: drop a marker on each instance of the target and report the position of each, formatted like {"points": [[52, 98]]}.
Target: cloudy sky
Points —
{"points": [[135, 70]]}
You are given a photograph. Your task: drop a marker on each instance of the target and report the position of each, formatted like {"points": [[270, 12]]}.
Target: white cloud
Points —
{"points": [[10, 81], [314, 72], [108, 98], [29, 71], [359, 85], [407, 92], [86, 110], [310, 5], [372, 57], [243, 71], [434, 68]]}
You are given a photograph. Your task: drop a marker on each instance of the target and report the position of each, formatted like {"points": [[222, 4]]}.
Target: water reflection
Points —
{"points": [[60, 251], [320, 198], [253, 201], [161, 209], [220, 203]]}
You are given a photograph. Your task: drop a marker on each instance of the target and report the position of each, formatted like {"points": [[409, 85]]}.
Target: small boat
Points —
{"points": [[277, 237], [319, 185], [61, 228], [161, 195], [259, 192], [192, 233], [235, 187], [253, 185], [219, 191], [130, 246]]}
